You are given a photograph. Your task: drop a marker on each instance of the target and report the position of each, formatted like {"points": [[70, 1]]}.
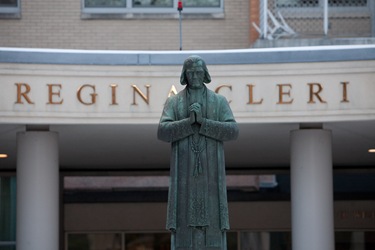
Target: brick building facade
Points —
{"points": [[60, 24], [100, 25]]}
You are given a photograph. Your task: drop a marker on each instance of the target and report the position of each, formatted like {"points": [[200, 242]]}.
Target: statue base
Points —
{"points": [[197, 239]]}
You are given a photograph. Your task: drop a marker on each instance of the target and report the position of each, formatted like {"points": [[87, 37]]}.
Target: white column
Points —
{"points": [[312, 190], [37, 191]]}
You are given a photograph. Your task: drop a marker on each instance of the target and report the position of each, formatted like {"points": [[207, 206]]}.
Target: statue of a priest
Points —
{"points": [[197, 121]]}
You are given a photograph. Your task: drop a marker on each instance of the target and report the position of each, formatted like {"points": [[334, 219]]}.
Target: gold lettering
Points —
{"points": [[358, 214], [344, 92], [93, 95], [286, 93], [313, 93], [343, 215], [113, 89], [143, 96], [172, 91], [368, 214], [51, 94], [251, 97], [24, 94], [217, 90]]}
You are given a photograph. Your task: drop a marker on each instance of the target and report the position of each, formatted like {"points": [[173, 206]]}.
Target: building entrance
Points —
{"points": [[129, 212]]}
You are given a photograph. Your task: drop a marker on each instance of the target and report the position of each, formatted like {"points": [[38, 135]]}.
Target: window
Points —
{"points": [[150, 6], [297, 3], [118, 241], [10, 9], [7, 213], [8, 3], [202, 3], [364, 240], [130, 241], [244, 240], [95, 241]]}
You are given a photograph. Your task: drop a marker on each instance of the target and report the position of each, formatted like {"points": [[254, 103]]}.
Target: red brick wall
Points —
{"points": [[254, 17]]}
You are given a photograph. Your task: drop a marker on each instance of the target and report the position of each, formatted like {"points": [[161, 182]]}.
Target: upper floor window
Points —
{"points": [[150, 6], [9, 8], [8, 3]]}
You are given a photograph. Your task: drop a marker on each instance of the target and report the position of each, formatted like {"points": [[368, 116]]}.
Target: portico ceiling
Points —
{"points": [[136, 147]]}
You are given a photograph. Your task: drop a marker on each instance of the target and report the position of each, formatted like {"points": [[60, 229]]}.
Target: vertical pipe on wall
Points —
{"points": [[263, 18], [325, 17]]}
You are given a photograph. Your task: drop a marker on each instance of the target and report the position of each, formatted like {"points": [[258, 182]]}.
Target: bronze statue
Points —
{"points": [[197, 121]]}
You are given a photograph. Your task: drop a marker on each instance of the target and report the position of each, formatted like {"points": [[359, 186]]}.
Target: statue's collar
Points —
{"points": [[201, 91]]}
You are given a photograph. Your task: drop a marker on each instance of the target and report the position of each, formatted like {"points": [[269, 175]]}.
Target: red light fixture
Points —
{"points": [[179, 5]]}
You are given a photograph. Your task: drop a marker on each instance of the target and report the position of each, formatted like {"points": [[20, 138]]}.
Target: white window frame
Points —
{"points": [[11, 10], [150, 10]]}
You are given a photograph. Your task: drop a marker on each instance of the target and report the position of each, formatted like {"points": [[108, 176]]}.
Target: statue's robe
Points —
{"points": [[197, 201]]}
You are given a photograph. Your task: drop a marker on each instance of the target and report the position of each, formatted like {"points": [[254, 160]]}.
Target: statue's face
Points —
{"points": [[195, 76]]}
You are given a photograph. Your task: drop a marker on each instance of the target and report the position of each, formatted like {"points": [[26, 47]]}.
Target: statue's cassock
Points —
{"points": [[197, 202]]}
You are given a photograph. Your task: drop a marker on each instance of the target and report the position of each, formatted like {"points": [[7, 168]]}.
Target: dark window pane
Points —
{"points": [[259, 240], [148, 241], [8, 247], [152, 3], [8, 3], [232, 241], [94, 241], [347, 3], [355, 240], [105, 3], [202, 3], [8, 210], [297, 3]]}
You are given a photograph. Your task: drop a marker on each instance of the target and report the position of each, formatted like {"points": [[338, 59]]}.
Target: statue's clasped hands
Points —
{"points": [[196, 113]]}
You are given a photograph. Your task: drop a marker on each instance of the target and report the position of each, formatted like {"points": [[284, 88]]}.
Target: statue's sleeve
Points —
{"points": [[225, 128], [170, 129]]}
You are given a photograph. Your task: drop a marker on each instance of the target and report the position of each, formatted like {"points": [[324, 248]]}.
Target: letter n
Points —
{"points": [[146, 97]]}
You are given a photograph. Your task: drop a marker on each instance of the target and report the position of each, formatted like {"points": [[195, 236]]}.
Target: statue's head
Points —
{"points": [[194, 72]]}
